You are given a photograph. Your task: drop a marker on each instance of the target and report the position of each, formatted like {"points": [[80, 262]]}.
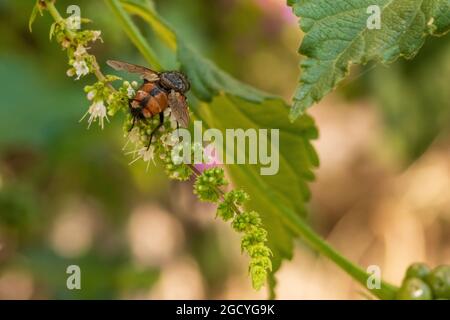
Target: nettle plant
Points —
{"points": [[270, 212]]}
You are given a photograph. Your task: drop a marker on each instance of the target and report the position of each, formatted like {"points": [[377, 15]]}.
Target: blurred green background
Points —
{"points": [[68, 195]]}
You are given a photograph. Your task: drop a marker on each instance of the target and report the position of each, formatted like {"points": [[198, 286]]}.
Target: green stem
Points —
{"points": [[50, 6], [71, 35], [134, 34], [302, 229]]}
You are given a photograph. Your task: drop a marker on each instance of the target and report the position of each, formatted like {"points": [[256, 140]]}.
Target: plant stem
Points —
{"points": [[70, 34], [50, 6], [134, 34]]}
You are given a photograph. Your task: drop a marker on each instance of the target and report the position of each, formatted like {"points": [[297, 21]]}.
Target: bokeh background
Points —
{"points": [[68, 195]]}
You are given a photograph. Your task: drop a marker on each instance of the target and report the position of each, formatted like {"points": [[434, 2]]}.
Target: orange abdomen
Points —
{"points": [[151, 99]]}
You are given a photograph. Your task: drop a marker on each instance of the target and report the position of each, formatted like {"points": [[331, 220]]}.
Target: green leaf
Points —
{"points": [[297, 159], [336, 36], [209, 81]]}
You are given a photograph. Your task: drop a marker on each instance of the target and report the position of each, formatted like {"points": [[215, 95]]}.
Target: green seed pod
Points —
{"points": [[418, 270], [439, 281], [414, 289]]}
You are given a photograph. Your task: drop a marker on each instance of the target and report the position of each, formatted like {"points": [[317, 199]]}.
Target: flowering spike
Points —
{"points": [[206, 185]]}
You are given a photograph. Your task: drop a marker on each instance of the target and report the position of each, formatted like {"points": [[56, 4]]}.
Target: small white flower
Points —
{"points": [[130, 91], [134, 137], [134, 84], [170, 139], [65, 43], [146, 154], [80, 52], [97, 110], [91, 95], [164, 137], [73, 23], [96, 35], [81, 68], [70, 72]]}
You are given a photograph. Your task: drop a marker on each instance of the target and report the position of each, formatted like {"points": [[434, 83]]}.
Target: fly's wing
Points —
{"points": [[179, 107], [146, 73]]}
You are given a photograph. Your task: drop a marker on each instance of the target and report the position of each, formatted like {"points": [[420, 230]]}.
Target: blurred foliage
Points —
{"points": [[412, 99], [415, 99]]}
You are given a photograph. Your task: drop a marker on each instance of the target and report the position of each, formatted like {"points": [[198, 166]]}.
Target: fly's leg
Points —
{"points": [[132, 124], [135, 110], [161, 122]]}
